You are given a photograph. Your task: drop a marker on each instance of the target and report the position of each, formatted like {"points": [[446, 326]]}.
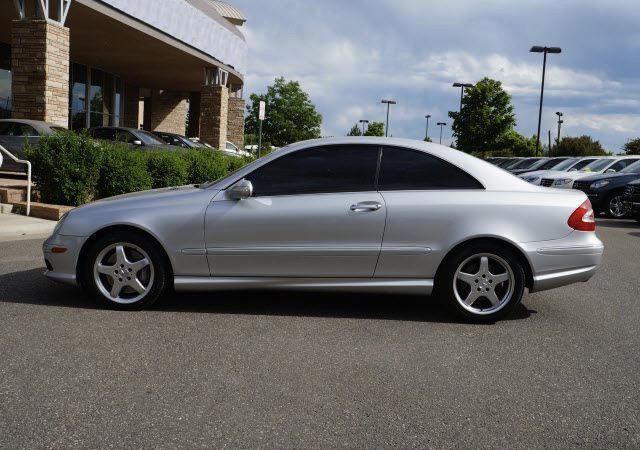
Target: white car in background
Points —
{"points": [[604, 165], [569, 165]]}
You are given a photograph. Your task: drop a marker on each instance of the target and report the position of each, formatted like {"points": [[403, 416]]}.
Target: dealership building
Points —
{"points": [[134, 63]]}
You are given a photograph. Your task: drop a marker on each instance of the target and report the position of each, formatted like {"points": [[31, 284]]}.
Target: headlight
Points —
{"points": [[531, 179], [561, 181], [599, 184], [59, 224]]}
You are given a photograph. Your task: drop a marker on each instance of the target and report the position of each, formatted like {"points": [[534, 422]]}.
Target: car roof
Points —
{"points": [[39, 125]]}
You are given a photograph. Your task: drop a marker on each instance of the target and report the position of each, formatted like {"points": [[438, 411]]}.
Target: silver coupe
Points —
{"points": [[346, 214]]}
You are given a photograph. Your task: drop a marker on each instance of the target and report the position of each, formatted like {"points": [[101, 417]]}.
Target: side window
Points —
{"points": [[412, 170], [108, 134], [126, 136], [338, 168], [5, 128], [22, 129], [622, 164]]}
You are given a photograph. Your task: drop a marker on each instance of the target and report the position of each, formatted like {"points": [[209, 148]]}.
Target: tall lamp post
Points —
{"points": [[545, 50], [389, 103], [363, 122], [462, 86], [426, 134], [560, 122], [442, 124]]}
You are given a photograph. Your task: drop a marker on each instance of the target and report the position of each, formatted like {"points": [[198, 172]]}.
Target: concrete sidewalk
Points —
{"points": [[16, 227]]}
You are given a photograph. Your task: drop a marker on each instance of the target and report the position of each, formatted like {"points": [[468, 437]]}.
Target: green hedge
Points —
{"points": [[72, 169]]}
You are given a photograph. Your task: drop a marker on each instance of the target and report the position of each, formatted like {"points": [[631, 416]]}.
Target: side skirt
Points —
{"points": [[372, 285]]}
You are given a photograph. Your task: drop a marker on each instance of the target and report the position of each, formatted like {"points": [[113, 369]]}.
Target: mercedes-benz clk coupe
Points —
{"points": [[346, 214]]}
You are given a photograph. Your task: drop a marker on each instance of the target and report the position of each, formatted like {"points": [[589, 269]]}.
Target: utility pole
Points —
{"points": [[442, 124], [426, 134], [462, 86], [389, 103], [545, 50], [363, 122], [560, 122]]}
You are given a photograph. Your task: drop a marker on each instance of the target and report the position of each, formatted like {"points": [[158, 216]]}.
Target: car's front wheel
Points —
{"points": [[482, 282], [125, 271], [615, 206]]}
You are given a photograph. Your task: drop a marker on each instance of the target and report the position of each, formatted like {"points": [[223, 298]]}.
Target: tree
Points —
{"points": [[632, 147], [579, 146], [513, 143], [486, 116], [355, 131], [375, 129], [290, 115], [428, 139]]}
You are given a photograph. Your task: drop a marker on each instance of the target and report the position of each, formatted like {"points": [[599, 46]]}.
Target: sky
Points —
{"points": [[350, 54]]}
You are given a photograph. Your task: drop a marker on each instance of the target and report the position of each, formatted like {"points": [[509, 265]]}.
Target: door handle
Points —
{"points": [[366, 206]]}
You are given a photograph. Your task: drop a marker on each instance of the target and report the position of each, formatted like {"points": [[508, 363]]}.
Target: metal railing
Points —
{"points": [[28, 164]]}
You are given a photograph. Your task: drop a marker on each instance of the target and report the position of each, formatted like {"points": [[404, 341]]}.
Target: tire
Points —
{"points": [[130, 266], [491, 273], [613, 203]]}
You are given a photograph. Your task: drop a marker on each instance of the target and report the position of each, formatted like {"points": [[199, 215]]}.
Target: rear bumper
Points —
{"points": [[573, 259]]}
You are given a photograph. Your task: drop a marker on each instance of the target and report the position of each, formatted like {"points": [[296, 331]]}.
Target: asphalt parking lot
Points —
{"points": [[315, 371]]}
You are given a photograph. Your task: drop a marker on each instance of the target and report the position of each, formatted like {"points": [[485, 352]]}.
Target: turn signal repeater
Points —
{"points": [[583, 218], [58, 249]]}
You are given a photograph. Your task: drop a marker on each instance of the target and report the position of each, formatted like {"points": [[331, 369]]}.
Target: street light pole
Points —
{"points": [[545, 50], [560, 122], [363, 122], [462, 86], [426, 134], [389, 103], [442, 124]]}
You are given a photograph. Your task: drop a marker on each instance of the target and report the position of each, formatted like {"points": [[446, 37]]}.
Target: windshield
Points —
{"points": [[597, 166], [556, 164], [525, 164], [632, 168], [148, 138]]}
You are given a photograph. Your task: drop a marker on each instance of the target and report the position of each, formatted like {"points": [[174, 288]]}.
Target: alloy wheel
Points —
{"points": [[123, 272], [616, 207], [483, 284]]}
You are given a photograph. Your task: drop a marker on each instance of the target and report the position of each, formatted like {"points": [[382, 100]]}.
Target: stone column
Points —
{"points": [[214, 106], [168, 111], [235, 122], [40, 71]]}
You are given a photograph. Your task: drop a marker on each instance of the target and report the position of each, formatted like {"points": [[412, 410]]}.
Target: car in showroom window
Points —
{"points": [[343, 214]]}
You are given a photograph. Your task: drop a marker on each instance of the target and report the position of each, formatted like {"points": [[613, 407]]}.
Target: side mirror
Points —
{"points": [[137, 142], [241, 190]]}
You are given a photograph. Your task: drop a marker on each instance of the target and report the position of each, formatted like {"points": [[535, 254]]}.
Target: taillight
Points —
{"points": [[583, 218]]}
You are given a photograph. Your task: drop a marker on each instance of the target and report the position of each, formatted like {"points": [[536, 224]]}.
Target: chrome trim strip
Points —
{"points": [[558, 279], [379, 285], [575, 250], [194, 251], [296, 251]]}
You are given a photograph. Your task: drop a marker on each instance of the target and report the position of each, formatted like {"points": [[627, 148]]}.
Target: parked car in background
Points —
{"points": [[341, 214], [606, 190], [508, 162], [229, 150], [131, 136], [541, 164], [570, 165], [525, 164], [13, 135], [178, 140], [631, 199], [605, 165]]}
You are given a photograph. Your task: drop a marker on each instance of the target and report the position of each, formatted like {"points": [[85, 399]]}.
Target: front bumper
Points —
{"points": [[573, 259], [61, 267]]}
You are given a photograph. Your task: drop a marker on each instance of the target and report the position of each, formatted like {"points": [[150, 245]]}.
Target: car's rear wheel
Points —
{"points": [[482, 282], [125, 271], [615, 206]]}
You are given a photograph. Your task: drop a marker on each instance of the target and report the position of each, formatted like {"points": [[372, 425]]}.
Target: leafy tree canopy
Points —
{"points": [[355, 131], [375, 129], [290, 115], [485, 118], [632, 147], [579, 146]]}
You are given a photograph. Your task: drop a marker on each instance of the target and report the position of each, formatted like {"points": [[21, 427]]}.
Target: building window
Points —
{"points": [[5, 81], [97, 92]]}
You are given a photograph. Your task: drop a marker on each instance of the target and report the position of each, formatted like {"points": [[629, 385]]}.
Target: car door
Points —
{"points": [[313, 213], [426, 198]]}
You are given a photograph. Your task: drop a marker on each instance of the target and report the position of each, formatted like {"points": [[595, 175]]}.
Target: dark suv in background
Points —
{"points": [[606, 190], [631, 199], [131, 136]]}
